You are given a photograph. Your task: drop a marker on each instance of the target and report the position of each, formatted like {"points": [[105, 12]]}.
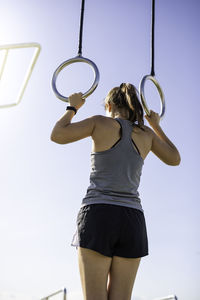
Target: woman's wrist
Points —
{"points": [[156, 127], [72, 108]]}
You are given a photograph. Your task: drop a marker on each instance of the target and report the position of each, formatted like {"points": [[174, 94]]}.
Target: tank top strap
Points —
{"points": [[127, 128]]}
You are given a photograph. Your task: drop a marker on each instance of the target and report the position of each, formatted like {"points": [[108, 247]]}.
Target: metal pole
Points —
{"points": [[64, 291], [171, 297], [65, 294]]}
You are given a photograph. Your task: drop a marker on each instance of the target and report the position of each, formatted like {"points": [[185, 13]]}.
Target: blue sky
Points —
{"points": [[42, 183]]}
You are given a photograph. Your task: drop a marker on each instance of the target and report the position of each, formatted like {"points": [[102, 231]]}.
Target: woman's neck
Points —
{"points": [[120, 115]]}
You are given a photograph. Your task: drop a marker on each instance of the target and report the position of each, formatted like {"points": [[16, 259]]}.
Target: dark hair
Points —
{"points": [[126, 96]]}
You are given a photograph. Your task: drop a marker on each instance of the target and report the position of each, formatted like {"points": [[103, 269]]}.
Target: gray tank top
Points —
{"points": [[115, 173]]}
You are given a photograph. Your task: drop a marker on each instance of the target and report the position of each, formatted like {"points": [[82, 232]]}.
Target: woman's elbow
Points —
{"points": [[57, 139], [179, 160], [176, 160], [54, 139]]}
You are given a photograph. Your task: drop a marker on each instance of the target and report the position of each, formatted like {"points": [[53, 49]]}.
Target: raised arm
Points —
{"points": [[65, 132], [161, 144]]}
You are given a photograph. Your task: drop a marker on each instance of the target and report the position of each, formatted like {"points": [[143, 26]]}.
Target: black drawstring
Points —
{"points": [[153, 38], [81, 28]]}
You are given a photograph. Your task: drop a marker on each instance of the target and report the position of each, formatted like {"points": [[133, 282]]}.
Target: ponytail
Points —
{"points": [[126, 96]]}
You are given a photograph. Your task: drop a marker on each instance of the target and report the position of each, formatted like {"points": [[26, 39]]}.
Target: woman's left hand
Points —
{"points": [[76, 100]]}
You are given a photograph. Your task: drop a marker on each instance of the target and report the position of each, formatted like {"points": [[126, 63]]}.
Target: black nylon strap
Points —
{"points": [[71, 108], [81, 28], [153, 38]]}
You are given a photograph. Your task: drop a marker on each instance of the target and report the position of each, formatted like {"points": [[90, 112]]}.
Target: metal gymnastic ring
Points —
{"points": [[162, 98], [69, 62]]}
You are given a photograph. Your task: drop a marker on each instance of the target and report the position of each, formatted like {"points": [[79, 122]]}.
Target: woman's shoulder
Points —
{"points": [[101, 117], [147, 129], [143, 129], [104, 126], [103, 120]]}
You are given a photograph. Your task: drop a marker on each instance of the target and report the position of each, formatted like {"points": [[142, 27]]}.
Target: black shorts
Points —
{"points": [[112, 230]]}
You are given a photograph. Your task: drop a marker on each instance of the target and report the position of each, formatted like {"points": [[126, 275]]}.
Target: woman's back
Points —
{"points": [[107, 132], [116, 163]]}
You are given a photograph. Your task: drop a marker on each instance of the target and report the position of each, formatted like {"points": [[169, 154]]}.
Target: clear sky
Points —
{"points": [[42, 183]]}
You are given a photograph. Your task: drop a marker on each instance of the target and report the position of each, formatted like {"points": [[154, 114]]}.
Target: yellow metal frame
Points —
{"points": [[29, 70]]}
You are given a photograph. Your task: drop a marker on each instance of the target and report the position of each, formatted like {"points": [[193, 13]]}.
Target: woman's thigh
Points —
{"points": [[94, 269], [122, 277]]}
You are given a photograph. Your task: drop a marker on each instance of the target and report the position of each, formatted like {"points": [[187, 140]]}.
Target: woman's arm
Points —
{"points": [[161, 145], [64, 132]]}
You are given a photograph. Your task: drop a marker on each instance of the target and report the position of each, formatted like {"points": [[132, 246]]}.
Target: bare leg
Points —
{"points": [[94, 269], [122, 277]]}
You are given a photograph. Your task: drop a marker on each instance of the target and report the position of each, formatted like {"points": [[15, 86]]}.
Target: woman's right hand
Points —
{"points": [[153, 119], [76, 100]]}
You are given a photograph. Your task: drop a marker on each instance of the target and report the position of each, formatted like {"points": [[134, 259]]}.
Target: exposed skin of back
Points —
{"points": [[107, 132]]}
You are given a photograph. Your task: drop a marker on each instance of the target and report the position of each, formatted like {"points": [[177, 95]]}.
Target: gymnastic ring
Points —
{"points": [[142, 95], [68, 62]]}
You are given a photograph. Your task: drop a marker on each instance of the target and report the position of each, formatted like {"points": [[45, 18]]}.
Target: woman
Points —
{"points": [[111, 236]]}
